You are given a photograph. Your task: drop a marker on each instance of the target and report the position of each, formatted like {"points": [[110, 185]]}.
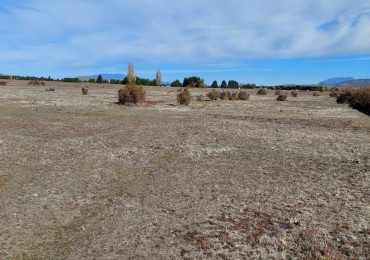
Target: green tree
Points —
{"points": [[223, 84], [193, 82], [99, 79], [214, 84], [176, 83], [233, 84]]}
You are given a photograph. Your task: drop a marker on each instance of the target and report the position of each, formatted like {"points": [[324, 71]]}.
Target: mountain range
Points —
{"points": [[344, 82]]}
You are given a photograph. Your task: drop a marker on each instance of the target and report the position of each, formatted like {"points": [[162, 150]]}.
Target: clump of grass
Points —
{"points": [[262, 91], [282, 97], [36, 82], [200, 98], [85, 90], [356, 98], [184, 97], [294, 93], [243, 95], [315, 94], [334, 93], [213, 95], [223, 95], [50, 89], [131, 94], [2, 83]]}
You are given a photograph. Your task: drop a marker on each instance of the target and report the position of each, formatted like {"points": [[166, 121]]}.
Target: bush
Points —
{"points": [[262, 91], [50, 89], [294, 94], [356, 98], [243, 95], [315, 94], [184, 97], [278, 92], [85, 90], [233, 96], [131, 94], [35, 82], [223, 95], [213, 95], [282, 97], [334, 93], [2, 83]]}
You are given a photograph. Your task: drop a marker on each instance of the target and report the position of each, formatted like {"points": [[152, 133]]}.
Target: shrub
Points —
{"points": [[213, 95], [85, 90], [278, 92], [356, 98], [42, 83], [223, 95], [232, 96], [294, 94], [184, 97], [243, 95], [131, 94], [262, 91], [2, 83], [315, 94], [334, 93], [282, 97], [200, 98], [34, 82]]}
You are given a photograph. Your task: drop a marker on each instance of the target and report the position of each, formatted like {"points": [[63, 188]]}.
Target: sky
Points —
{"points": [[267, 42]]}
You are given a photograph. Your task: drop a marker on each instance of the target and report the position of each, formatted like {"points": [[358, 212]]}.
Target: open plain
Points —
{"points": [[84, 178]]}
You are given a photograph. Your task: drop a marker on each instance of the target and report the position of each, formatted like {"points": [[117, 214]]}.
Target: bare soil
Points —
{"points": [[84, 178]]}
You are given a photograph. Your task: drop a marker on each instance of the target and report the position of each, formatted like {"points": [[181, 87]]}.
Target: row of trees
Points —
{"points": [[196, 82]]}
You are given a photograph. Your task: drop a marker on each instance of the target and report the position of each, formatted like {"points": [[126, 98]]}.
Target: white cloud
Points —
{"points": [[181, 31]]}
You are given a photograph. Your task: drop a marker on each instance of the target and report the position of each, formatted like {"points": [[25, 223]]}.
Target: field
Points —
{"points": [[84, 178]]}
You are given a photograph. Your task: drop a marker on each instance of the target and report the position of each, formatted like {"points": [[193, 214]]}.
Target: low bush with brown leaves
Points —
{"points": [[213, 95], [131, 94], [262, 91], [184, 97]]}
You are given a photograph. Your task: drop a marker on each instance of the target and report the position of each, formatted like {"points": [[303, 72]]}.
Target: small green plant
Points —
{"points": [[131, 94], [213, 95], [85, 90], [243, 95], [282, 97], [262, 91], [184, 97], [294, 93]]}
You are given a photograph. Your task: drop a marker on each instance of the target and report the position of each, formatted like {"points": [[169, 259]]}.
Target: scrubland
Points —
{"points": [[82, 177]]}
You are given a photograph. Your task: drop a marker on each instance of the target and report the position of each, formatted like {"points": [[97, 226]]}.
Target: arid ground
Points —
{"points": [[84, 178]]}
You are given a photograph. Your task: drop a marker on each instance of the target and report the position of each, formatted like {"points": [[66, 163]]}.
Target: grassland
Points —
{"points": [[84, 178]]}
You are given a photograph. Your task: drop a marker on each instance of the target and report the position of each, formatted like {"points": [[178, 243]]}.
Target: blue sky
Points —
{"points": [[267, 41]]}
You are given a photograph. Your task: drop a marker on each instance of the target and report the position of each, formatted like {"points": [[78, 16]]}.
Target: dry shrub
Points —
{"points": [[356, 98], [233, 96], [184, 97], [294, 94], [334, 93], [282, 97], [35, 82], [42, 83], [278, 92], [2, 83], [213, 95], [200, 98], [85, 90], [50, 89], [262, 91], [315, 94], [131, 94], [243, 95], [223, 95]]}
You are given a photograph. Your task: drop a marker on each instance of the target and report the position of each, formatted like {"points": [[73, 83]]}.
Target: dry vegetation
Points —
{"points": [[131, 94], [262, 91], [356, 98], [84, 178]]}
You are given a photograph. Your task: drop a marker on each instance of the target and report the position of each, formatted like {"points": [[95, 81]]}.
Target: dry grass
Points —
{"points": [[243, 95], [315, 94], [213, 95], [223, 95], [294, 93], [262, 91], [184, 97], [356, 98], [84, 178], [2, 83], [85, 90], [282, 97]]}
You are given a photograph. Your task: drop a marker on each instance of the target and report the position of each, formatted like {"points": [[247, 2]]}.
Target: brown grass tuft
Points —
{"points": [[315, 94], [233, 96], [131, 94], [2, 83], [184, 97], [278, 92], [35, 82], [294, 93], [85, 90], [356, 98], [223, 95], [213, 95], [334, 93], [262, 91], [243, 95], [282, 97]]}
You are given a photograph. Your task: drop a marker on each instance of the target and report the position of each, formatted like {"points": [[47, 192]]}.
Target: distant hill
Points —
{"points": [[334, 81], [354, 83], [105, 76]]}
